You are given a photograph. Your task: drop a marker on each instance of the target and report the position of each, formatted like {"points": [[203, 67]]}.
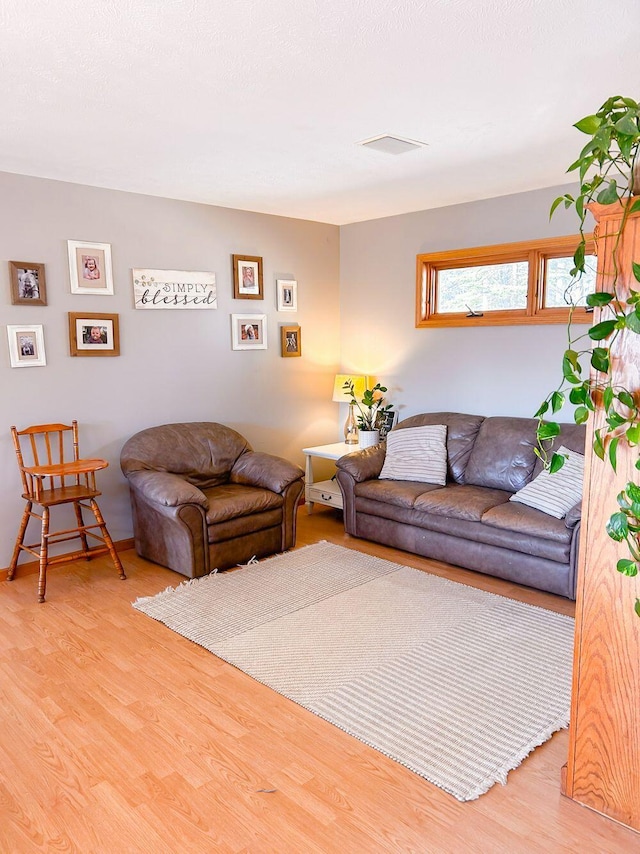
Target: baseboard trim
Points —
{"points": [[32, 566]]}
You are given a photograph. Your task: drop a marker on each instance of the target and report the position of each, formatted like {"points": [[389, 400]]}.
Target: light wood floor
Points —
{"points": [[117, 735]]}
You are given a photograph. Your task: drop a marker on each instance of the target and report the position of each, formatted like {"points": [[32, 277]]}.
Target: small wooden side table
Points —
{"points": [[324, 491]]}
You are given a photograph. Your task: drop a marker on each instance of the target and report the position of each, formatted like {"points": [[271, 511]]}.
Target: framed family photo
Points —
{"points": [[249, 331], [384, 422], [90, 270], [94, 334], [26, 346], [287, 291], [247, 277], [290, 341], [27, 283]]}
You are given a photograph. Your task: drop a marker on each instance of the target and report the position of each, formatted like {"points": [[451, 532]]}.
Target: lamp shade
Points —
{"points": [[360, 385]]}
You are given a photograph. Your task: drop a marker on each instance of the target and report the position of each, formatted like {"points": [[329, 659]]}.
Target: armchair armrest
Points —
{"points": [[363, 465], [255, 468], [169, 490]]}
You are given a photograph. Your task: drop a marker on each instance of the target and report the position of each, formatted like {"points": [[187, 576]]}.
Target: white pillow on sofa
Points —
{"points": [[555, 494], [416, 453]]}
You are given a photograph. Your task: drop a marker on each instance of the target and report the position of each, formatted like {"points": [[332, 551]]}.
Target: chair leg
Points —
{"points": [[19, 541], [44, 554], [107, 537], [85, 545]]}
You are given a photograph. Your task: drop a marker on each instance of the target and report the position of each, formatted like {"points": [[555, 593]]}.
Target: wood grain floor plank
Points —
{"points": [[117, 735]]}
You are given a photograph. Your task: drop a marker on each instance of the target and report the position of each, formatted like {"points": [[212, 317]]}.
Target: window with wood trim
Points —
{"points": [[510, 283]]}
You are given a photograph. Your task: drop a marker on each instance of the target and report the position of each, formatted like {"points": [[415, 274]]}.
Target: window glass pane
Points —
{"points": [[487, 288], [561, 289]]}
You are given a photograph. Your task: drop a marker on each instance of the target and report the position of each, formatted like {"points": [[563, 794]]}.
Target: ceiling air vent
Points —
{"points": [[391, 144]]}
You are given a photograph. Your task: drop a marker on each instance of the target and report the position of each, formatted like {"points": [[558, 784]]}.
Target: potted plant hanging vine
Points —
{"points": [[608, 167]]}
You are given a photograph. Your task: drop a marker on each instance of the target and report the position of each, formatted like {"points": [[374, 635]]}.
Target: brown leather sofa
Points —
{"points": [[203, 499], [470, 521]]}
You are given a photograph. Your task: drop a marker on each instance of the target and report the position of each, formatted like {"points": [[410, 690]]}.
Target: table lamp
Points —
{"points": [[341, 395]]}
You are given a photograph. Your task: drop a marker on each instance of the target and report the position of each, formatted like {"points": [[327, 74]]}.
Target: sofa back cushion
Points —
{"points": [[202, 452], [503, 454], [461, 434]]}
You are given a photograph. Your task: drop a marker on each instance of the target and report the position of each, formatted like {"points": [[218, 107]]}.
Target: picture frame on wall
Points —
{"points": [[249, 331], [287, 294], [90, 268], [247, 277], [290, 341], [28, 286], [26, 346], [94, 334]]}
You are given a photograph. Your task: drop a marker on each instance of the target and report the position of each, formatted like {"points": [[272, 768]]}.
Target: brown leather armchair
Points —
{"points": [[203, 499]]}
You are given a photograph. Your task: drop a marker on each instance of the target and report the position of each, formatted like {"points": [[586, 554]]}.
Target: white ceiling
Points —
{"points": [[259, 104]]}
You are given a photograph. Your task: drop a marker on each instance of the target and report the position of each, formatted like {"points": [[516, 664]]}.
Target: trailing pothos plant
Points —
{"points": [[606, 169]]}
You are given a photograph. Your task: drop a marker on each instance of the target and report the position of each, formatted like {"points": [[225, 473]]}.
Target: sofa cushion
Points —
{"points": [[231, 500], [503, 454], [555, 493], [418, 453], [478, 532], [461, 502], [526, 520], [461, 434], [401, 493]]}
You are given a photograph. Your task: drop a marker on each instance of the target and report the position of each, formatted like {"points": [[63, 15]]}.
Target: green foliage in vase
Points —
{"points": [[606, 169], [371, 402]]}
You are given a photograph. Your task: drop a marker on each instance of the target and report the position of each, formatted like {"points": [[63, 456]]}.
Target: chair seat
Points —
{"points": [[62, 495], [232, 500]]}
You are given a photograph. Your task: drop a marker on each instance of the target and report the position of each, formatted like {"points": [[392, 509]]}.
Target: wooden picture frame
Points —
{"points": [[384, 422], [248, 331], [90, 268], [26, 346], [247, 277], [287, 294], [28, 286], [290, 341], [94, 334]]}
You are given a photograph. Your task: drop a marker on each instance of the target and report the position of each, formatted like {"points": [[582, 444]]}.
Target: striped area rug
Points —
{"points": [[457, 684]]}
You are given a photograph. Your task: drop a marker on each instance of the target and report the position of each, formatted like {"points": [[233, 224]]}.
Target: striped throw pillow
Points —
{"points": [[416, 453], [555, 494]]}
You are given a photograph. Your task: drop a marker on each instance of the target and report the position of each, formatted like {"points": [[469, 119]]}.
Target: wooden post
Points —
{"points": [[603, 768]]}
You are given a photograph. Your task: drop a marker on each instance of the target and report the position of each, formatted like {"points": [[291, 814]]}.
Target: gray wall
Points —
{"points": [[175, 365], [490, 370]]}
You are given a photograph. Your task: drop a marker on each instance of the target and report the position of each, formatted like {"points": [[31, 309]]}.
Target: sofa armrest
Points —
{"points": [[167, 489], [363, 465], [255, 468], [573, 516]]}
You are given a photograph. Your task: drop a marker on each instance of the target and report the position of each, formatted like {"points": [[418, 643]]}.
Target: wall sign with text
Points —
{"points": [[174, 289]]}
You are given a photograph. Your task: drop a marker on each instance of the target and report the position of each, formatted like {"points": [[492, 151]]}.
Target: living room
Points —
{"points": [[355, 268]]}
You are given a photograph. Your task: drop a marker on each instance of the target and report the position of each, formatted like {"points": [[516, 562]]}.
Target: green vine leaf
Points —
{"points": [[599, 298], [589, 124], [627, 125], [628, 567], [600, 359], [557, 401], [608, 398], [602, 330], [544, 407], [617, 527], [581, 415], [635, 207], [548, 430], [636, 607], [598, 447], [632, 321], [571, 367], [626, 399], [613, 453], [557, 461], [610, 194], [633, 435]]}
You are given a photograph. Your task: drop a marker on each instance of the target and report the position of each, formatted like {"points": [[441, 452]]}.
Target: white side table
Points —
{"points": [[324, 491]]}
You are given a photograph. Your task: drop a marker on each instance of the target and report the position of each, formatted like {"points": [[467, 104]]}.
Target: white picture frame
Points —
{"points": [[90, 268], [248, 331], [287, 294], [26, 346]]}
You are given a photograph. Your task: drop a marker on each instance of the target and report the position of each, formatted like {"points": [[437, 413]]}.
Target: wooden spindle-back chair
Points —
{"points": [[57, 475]]}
